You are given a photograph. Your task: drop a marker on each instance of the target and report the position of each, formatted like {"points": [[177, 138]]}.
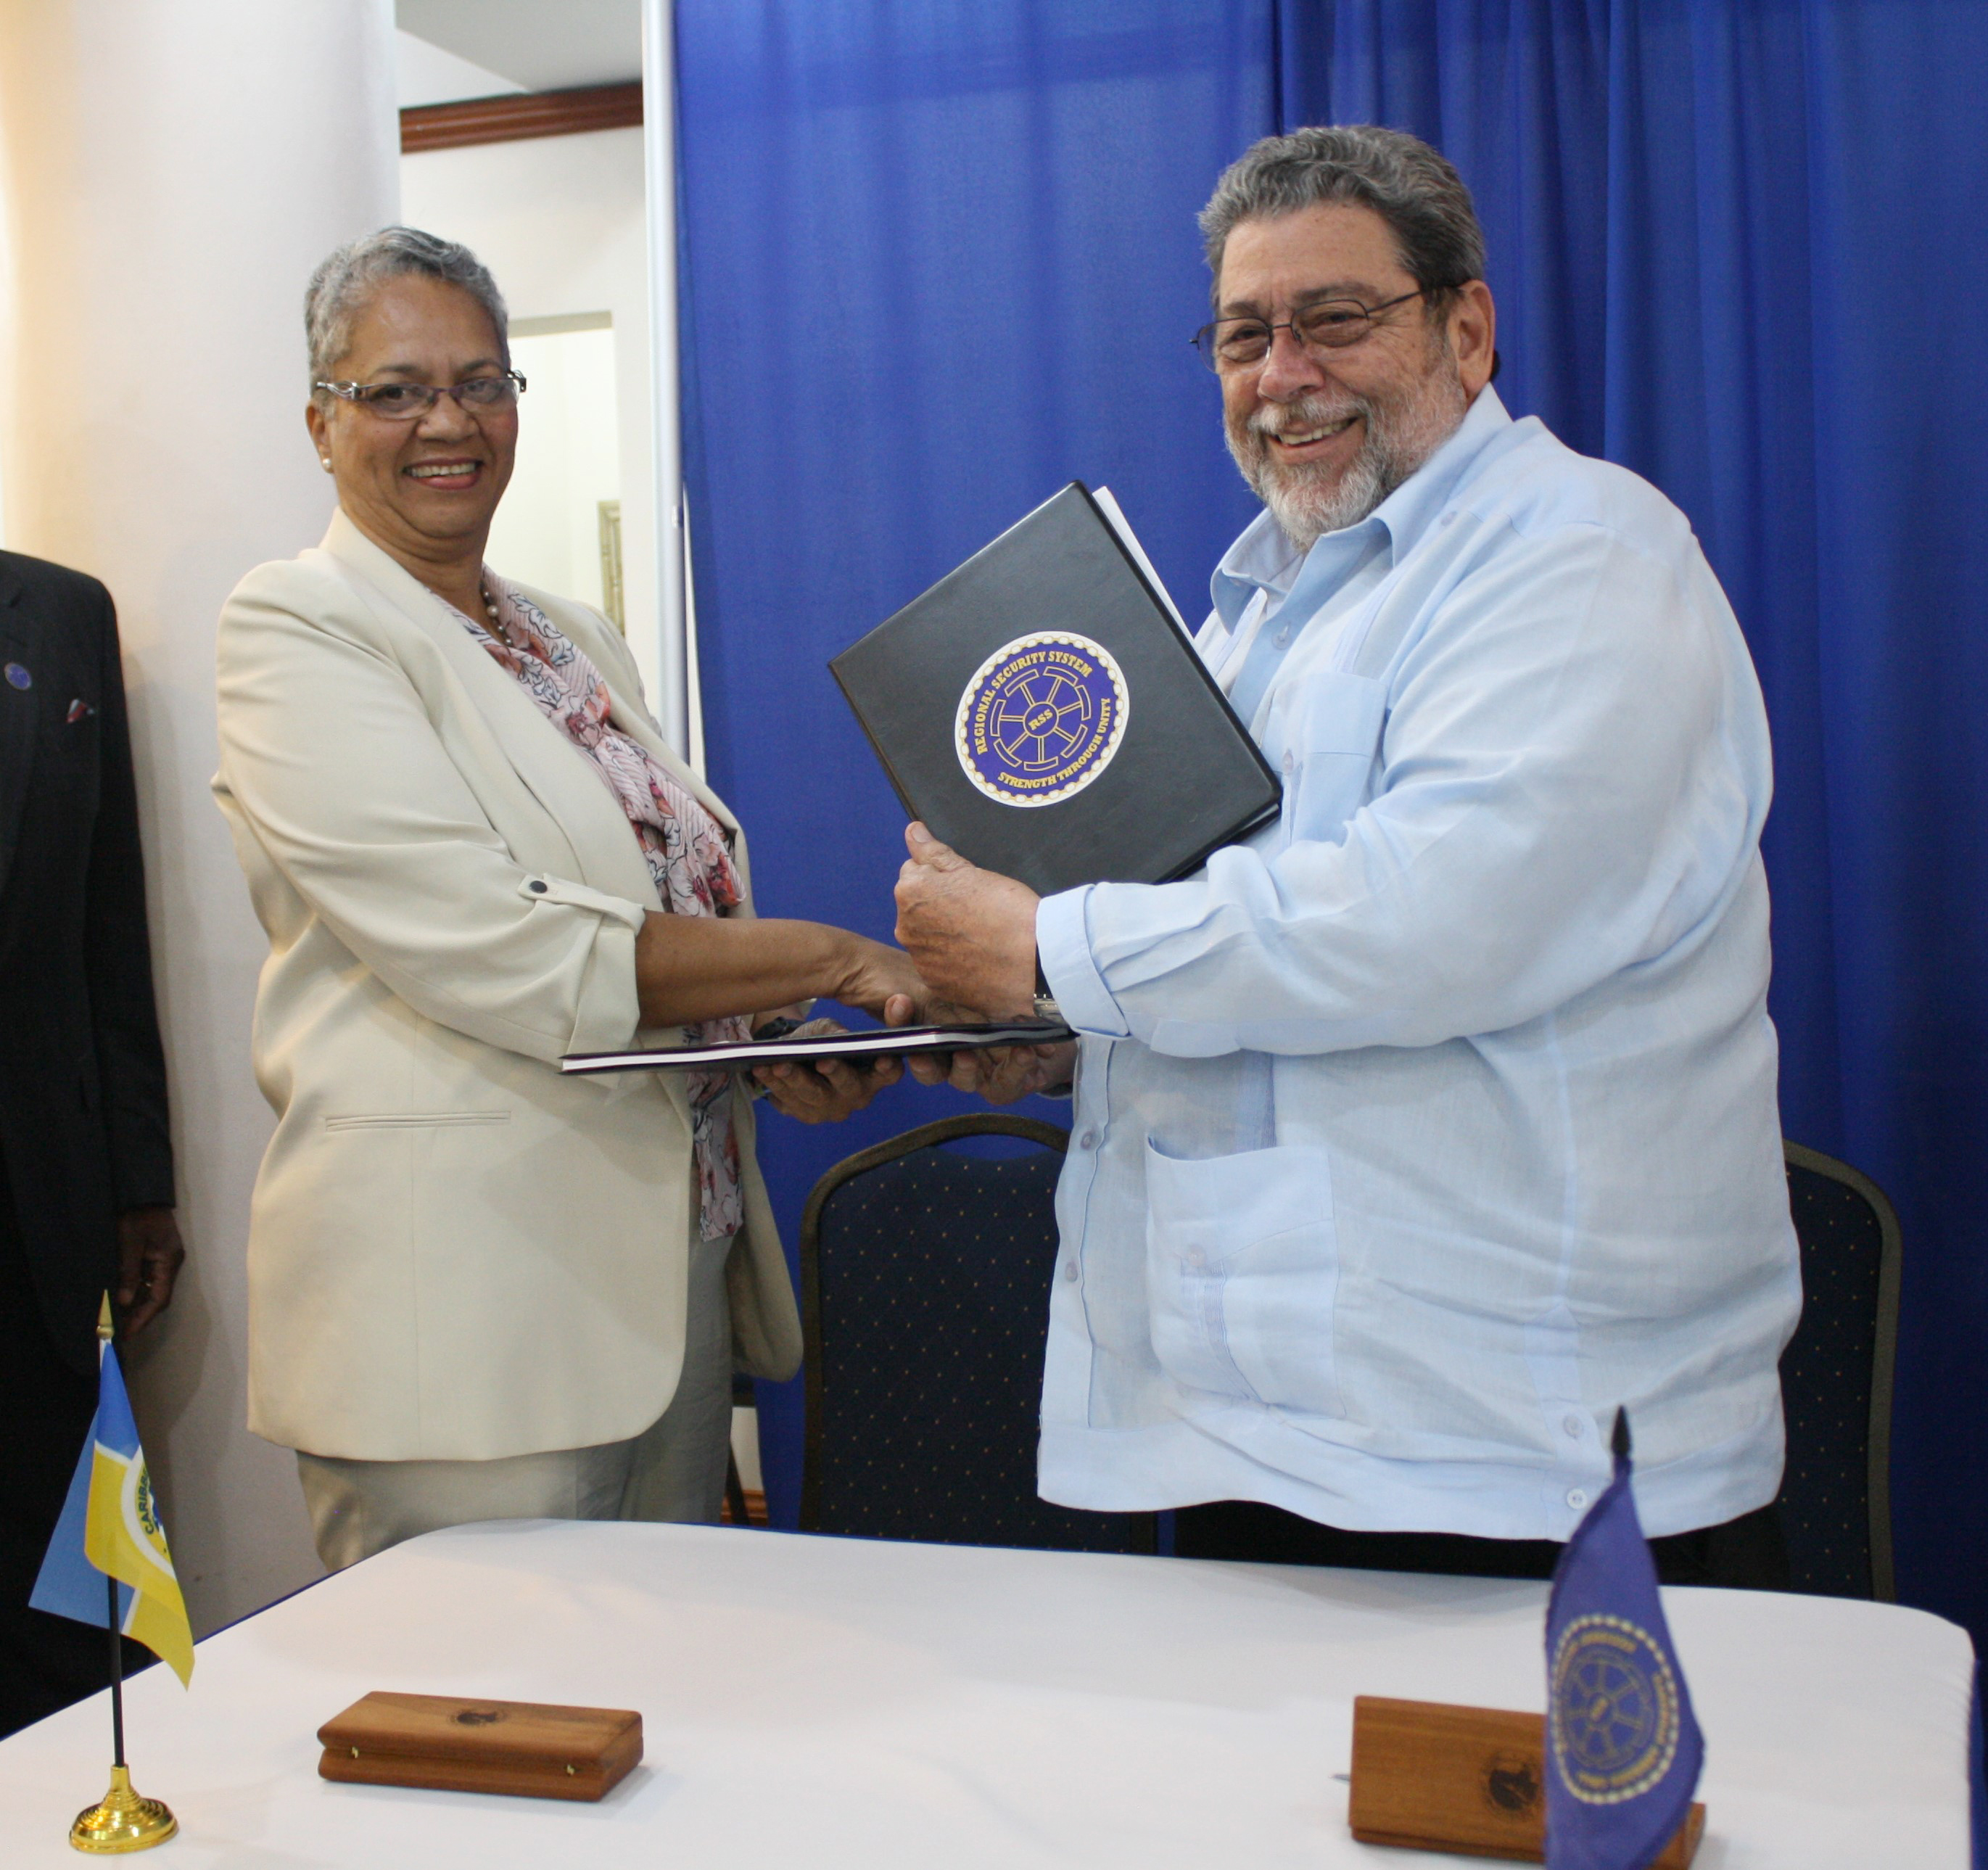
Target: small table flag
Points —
{"points": [[110, 1526], [1623, 1746]]}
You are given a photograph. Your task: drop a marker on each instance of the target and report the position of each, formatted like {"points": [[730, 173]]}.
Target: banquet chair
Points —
{"points": [[1836, 1382], [924, 1299]]}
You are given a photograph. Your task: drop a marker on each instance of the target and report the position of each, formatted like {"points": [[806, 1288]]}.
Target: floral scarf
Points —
{"points": [[688, 858]]}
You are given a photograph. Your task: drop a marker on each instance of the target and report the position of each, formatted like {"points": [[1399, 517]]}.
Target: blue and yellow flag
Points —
{"points": [[110, 1526], [1623, 1747]]}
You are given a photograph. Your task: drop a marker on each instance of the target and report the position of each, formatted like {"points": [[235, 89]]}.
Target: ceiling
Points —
{"points": [[424, 74], [541, 44]]}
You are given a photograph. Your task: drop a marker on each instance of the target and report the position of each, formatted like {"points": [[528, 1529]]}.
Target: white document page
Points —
{"points": [[1130, 539]]}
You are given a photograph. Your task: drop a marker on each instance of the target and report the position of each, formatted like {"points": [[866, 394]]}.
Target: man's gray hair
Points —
{"points": [[345, 279], [1409, 185]]}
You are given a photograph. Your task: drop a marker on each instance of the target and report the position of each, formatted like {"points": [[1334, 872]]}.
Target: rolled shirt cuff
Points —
{"points": [[1062, 942]]}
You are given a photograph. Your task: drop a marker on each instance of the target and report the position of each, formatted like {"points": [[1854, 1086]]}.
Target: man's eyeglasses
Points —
{"points": [[1326, 324], [402, 402]]}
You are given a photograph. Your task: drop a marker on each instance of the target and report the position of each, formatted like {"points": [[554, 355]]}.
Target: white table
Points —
{"points": [[826, 1702]]}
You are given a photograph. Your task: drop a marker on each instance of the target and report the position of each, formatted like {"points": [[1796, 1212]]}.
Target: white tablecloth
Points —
{"points": [[832, 1702]]}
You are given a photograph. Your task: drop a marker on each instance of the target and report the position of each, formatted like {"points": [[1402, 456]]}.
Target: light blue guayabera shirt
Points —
{"points": [[1416, 1134]]}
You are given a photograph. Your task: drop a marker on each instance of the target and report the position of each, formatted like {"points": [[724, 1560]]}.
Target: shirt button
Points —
{"points": [[1572, 1424], [1576, 1498], [1284, 638], [1086, 1139], [537, 887], [1290, 763], [1070, 1268]]}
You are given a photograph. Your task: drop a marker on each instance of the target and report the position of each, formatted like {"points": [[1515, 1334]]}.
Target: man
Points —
{"points": [[86, 1164], [1417, 1134]]}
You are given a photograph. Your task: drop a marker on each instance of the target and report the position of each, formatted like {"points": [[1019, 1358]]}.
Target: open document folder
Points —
{"points": [[879, 1042]]}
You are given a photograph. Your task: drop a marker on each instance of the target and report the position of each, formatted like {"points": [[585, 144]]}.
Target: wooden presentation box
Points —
{"points": [[1429, 1777], [530, 1748]]}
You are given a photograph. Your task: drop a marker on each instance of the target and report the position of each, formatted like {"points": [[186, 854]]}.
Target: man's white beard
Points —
{"points": [[1308, 499]]}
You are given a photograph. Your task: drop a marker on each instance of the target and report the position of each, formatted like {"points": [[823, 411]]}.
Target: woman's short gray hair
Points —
{"points": [[1411, 186], [346, 279]]}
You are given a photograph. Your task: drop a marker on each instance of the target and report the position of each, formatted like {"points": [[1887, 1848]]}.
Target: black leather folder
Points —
{"points": [[1042, 709], [854, 1048]]}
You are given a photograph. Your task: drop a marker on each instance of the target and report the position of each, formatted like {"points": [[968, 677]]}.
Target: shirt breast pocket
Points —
{"points": [[1242, 1272], [1333, 730]]}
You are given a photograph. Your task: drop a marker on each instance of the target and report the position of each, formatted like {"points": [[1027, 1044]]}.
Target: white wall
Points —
{"points": [[560, 221], [173, 170], [547, 531]]}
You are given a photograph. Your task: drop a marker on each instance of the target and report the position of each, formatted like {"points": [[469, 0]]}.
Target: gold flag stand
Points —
{"points": [[121, 1820]]}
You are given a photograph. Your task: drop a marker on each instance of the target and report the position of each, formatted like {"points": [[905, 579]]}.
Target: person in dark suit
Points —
{"points": [[86, 1162]]}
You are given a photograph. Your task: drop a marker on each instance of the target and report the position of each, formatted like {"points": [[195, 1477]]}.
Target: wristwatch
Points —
{"points": [[1046, 1007]]}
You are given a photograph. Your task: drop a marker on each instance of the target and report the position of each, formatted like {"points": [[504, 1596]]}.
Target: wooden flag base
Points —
{"points": [[1430, 1776], [533, 1749]]}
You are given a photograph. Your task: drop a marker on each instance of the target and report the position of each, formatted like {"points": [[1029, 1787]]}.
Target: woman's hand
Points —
{"points": [[882, 981], [827, 1090], [693, 968]]}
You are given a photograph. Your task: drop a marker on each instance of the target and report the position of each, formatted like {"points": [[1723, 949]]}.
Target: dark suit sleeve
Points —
{"points": [[118, 960]]}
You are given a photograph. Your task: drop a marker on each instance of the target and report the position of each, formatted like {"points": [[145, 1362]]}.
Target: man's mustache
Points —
{"points": [[1313, 412]]}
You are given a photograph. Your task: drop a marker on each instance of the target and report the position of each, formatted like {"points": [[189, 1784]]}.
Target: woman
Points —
{"points": [[479, 1289]]}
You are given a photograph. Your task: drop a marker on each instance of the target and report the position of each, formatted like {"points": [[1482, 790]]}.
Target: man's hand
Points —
{"points": [[149, 1253], [971, 932], [999, 1074]]}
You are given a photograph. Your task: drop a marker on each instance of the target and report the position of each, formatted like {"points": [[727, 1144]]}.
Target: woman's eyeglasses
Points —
{"points": [[404, 402]]}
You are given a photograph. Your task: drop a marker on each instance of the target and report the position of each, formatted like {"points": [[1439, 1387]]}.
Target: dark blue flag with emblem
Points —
{"points": [[1623, 1748]]}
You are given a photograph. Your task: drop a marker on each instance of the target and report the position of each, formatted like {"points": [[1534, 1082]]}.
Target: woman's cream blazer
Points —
{"points": [[454, 1252]]}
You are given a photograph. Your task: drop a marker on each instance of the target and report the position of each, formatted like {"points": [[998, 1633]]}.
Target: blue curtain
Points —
{"points": [[939, 258]]}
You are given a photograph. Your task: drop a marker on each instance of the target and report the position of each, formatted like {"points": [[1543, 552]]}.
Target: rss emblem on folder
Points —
{"points": [[1041, 718]]}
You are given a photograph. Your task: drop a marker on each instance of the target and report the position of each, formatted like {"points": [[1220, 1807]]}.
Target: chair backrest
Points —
{"points": [[924, 1297], [1836, 1382]]}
